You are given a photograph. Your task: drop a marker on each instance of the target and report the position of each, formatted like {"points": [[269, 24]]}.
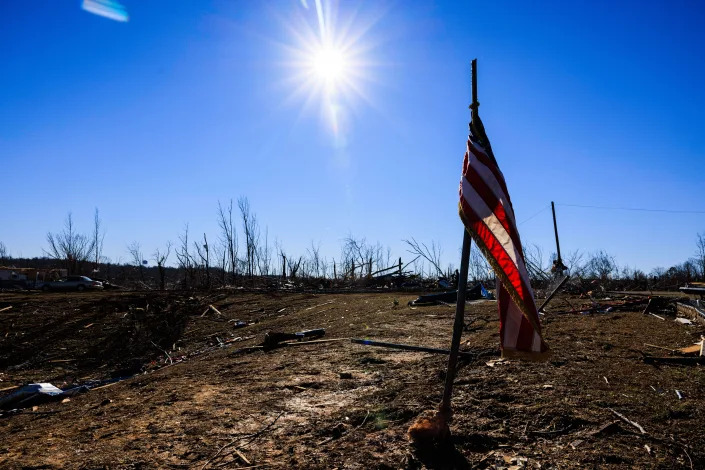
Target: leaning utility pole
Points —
{"points": [[558, 266]]}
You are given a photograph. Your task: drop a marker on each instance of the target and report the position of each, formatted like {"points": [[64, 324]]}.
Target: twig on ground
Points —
{"points": [[688, 455], [242, 457], [252, 438], [263, 430], [627, 420]]}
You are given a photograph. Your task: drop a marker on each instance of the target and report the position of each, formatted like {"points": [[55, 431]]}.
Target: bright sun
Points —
{"points": [[329, 64], [328, 61]]}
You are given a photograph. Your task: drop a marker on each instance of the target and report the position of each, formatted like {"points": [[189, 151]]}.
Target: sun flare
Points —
{"points": [[329, 65]]}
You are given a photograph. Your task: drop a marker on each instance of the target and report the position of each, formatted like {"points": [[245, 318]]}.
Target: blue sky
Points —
{"points": [[155, 120]]}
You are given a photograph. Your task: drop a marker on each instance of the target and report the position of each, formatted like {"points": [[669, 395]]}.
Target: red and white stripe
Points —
{"points": [[488, 214]]}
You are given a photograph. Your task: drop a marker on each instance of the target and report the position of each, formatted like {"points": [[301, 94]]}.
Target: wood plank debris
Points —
{"points": [[211, 308], [697, 348]]}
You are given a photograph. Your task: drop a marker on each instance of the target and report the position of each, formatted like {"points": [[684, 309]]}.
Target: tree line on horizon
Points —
{"points": [[242, 251]]}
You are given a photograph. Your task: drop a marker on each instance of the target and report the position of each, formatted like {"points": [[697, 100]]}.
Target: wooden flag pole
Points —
{"points": [[462, 287]]}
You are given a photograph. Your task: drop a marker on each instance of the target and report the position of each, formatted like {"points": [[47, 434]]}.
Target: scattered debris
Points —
{"points": [[679, 394], [684, 321], [694, 309], [494, 362], [694, 288], [5, 308], [37, 393], [576, 443], [238, 323], [600, 308], [164, 351]]}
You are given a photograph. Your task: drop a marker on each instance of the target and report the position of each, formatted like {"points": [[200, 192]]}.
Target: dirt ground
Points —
{"points": [[222, 404]]}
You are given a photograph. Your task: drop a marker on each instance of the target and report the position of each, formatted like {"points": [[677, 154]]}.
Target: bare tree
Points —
{"points": [[228, 234], [282, 254], [689, 270], [700, 254], [536, 264], [251, 230], [4, 254], [601, 265], [357, 254], [294, 265], [314, 256], [69, 246], [184, 257], [220, 253], [98, 237], [204, 254], [160, 257], [135, 251], [264, 255], [432, 255], [574, 262], [479, 268]]}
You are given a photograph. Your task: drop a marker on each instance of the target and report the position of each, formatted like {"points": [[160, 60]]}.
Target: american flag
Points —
{"points": [[487, 213]]}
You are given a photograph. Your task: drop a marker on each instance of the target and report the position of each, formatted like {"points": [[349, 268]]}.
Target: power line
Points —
{"points": [[632, 209], [526, 220]]}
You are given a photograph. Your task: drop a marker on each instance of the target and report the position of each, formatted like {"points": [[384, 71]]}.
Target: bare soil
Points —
{"points": [[215, 402]]}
